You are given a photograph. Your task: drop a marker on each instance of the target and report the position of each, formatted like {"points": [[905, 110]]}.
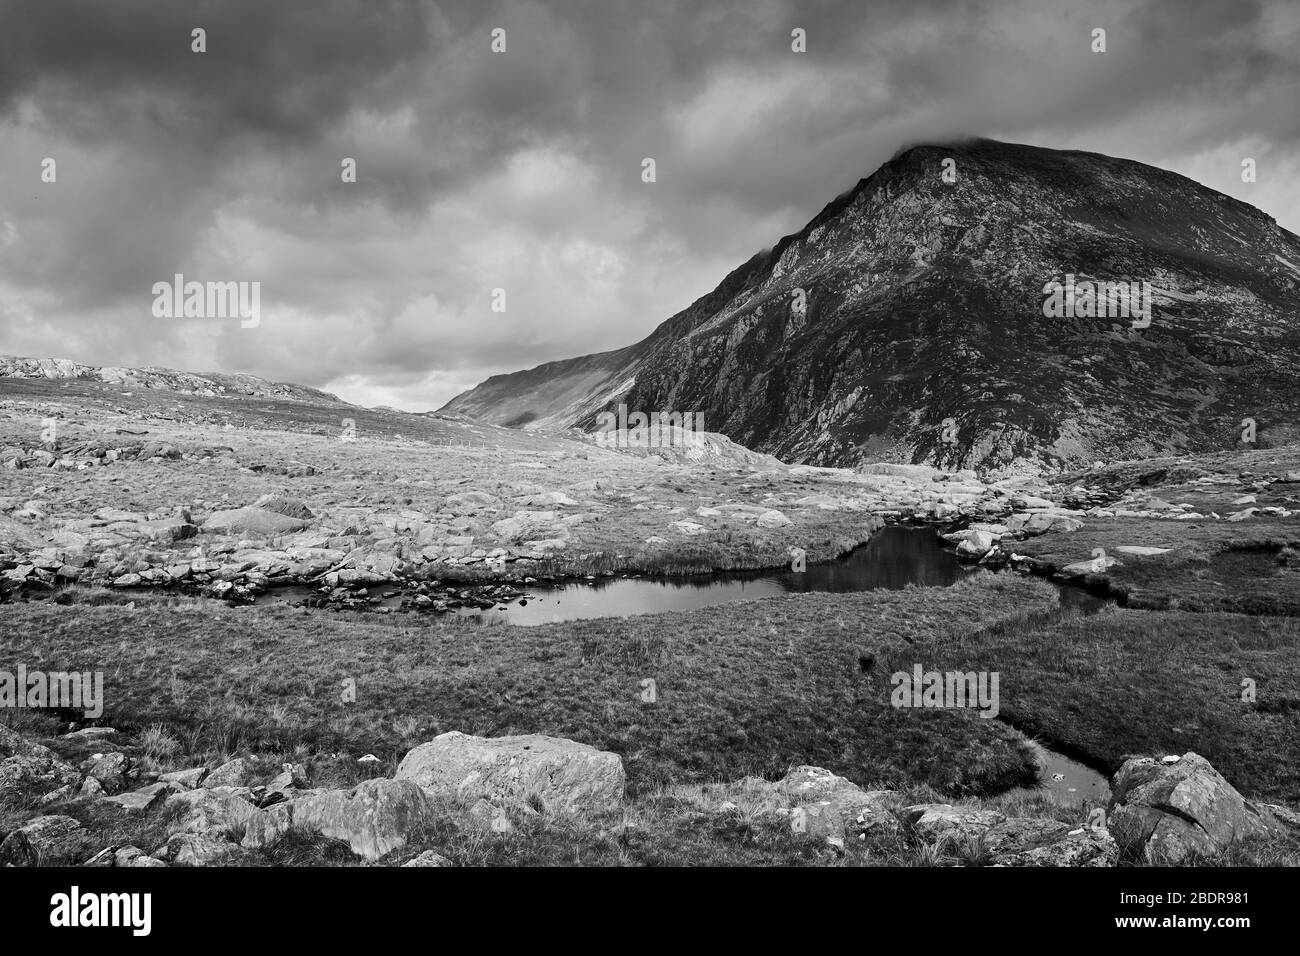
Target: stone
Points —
{"points": [[38, 840], [167, 530], [1167, 812], [375, 818], [429, 858], [195, 849], [109, 769], [1018, 834], [281, 505], [232, 773], [934, 823], [89, 733], [267, 826], [976, 544], [122, 856], [773, 519], [292, 777], [142, 800], [563, 774], [224, 808], [187, 779], [1084, 847], [489, 818], [252, 521]]}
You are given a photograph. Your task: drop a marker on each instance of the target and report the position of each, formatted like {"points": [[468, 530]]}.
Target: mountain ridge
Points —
{"points": [[908, 257]]}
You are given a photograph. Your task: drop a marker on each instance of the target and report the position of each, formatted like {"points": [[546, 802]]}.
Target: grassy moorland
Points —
{"points": [[1127, 682], [747, 688]]}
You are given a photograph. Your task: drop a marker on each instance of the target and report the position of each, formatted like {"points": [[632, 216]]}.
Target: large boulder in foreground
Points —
{"points": [[1164, 812], [375, 818], [563, 774], [36, 841]]}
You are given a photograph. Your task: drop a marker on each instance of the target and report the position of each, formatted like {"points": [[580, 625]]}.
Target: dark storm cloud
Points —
{"points": [[522, 170]]}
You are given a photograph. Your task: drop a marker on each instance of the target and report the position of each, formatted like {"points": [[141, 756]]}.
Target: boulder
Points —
{"points": [[37, 840], [563, 774], [109, 769], [195, 849], [142, 800], [252, 521], [167, 530], [1165, 812], [933, 823], [224, 808], [281, 505], [375, 818], [1042, 522], [976, 544], [773, 519], [232, 773], [188, 779]]}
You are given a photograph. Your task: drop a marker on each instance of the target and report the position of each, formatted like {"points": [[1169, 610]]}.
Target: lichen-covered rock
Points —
{"points": [[1165, 812], [932, 823], [28, 768], [211, 808], [195, 849], [37, 841], [375, 818], [232, 773], [563, 774]]}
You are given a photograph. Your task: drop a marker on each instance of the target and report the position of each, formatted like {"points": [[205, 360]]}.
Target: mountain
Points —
{"points": [[210, 384], [925, 302]]}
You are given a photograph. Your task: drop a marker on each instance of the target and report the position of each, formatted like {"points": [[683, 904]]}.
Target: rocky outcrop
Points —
{"points": [[1168, 810], [562, 775], [30, 769]]}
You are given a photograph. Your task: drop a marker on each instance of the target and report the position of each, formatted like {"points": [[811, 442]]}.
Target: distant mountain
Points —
{"points": [[925, 303], [207, 383]]}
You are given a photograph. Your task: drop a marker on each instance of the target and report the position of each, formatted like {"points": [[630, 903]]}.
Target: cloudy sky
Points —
{"points": [[521, 170]]}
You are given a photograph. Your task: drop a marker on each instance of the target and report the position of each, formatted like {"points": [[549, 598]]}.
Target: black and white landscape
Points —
{"points": [[442, 434]]}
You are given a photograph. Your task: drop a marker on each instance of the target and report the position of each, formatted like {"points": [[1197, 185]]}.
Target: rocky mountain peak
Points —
{"points": [[908, 321]]}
